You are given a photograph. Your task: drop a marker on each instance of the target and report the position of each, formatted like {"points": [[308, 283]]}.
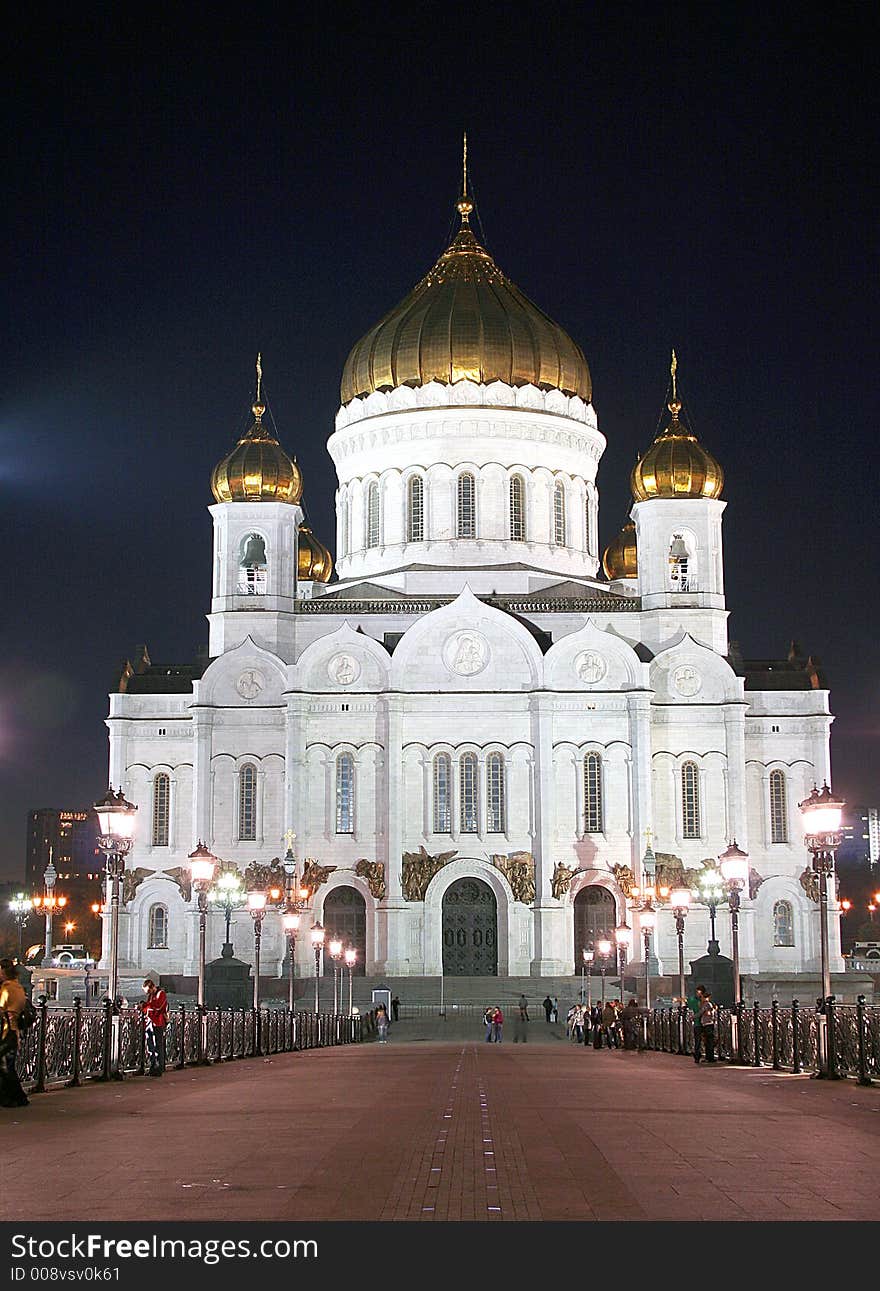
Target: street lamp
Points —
{"points": [[116, 818], [734, 865], [680, 900], [47, 905], [21, 909], [647, 922], [603, 950], [257, 906], [335, 948], [350, 959], [588, 956], [712, 894], [821, 814], [317, 935], [227, 893], [290, 921], [202, 865], [623, 936]]}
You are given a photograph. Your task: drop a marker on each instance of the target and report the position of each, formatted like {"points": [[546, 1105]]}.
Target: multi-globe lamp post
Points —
{"points": [[228, 894], [317, 935], [116, 820], [47, 904], [21, 909], [712, 894], [822, 815]]}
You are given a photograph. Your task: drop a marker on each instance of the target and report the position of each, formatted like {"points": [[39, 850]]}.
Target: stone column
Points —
{"points": [[638, 705], [202, 731], [735, 733], [392, 951], [548, 913], [295, 768]]}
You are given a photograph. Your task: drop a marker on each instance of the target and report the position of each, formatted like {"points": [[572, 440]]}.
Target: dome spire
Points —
{"points": [[674, 404], [464, 205], [676, 465], [258, 407]]}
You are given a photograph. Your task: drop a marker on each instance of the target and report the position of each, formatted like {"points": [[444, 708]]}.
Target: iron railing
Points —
{"points": [[70, 1046], [784, 1038]]}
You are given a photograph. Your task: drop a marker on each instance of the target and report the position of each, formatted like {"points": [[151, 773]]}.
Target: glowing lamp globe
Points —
{"points": [[290, 922], [256, 902]]}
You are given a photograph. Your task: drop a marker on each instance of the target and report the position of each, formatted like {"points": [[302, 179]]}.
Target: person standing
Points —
{"points": [[629, 1018], [497, 1025], [609, 1024], [395, 1008], [693, 1003], [155, 1006], [12, 1002], [707, 1024], [489, 1020], [555, 1009], [548, 1007], [382, 1023], [520, 1022]]}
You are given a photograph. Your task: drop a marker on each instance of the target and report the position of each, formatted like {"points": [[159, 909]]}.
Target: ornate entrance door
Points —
{"points": [[345, 917], [595, 916], [470, 930]]}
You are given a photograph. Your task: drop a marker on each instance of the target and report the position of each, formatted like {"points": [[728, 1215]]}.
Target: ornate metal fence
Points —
{"points": [[786, 1039], [69, 1046]]}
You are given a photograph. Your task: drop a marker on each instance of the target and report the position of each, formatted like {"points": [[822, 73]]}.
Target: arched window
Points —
{"points": [[470, 797], [247, 803], [778, 808], [161, 806], [517, 508], [158, 928], [466, 526], [373, 514], [415, 511], [442, 794], [783, 924], [559, 513], [690, 800], [495, 796], [679, 564], [592, 794], [345, 794], [252, 564]]}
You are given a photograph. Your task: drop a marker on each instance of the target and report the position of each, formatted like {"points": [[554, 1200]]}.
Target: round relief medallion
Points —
{"points": [[686, 680], [250, 684], [466, 653], [343, 669], [590, 667]]}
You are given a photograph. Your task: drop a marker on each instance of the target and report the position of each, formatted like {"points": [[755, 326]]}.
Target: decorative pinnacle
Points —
{"points": [[259, 407], [674, 404], [464, 206]]}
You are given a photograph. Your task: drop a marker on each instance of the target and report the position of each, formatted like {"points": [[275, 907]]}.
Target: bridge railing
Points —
{"points": [[784, 1038], [69, 1046]]}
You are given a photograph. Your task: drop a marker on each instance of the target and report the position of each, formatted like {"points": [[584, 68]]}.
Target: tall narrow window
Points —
{"points": [[778, 808], [442, 794], [373, 514], [161, 804], [470, 802], [690, 800], [415, 510], [345, 794], [158, 928], [592, 794], [559, 513], [247, 803], [517, 508], [783, 924], [467, 507], [495, 797]]}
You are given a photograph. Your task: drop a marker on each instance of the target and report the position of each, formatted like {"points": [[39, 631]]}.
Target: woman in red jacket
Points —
{"points": [[156, 1008]]}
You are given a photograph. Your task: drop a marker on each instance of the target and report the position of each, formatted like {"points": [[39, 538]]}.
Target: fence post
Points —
{"points": [[142, 1043], [864, 1078], [833, 1072], [756, 1036], [107, 1008], [181, 1057], [796, 1037], [77, 1037], [774, 1022]]}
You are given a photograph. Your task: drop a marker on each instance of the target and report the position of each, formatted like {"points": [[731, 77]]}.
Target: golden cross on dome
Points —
{"points": [[649, 834], [673, 368], [464, 205], [259, 376], [289, 838]]}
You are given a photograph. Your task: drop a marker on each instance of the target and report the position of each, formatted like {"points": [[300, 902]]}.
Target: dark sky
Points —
{"points": [[178, 198]]}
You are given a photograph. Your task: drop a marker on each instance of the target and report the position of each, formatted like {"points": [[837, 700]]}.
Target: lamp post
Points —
{"points": [[647, 922], [680, 900], [21, 909], [589, 955], [623, 937], [202, 865], [734, 865], [47, 905], [603, 950], [290, 920], [227, 893], [257, 906], [335, 948], [351, 960], [712, 894], [317, 935], [116, 818], [821, 814], [295, 901]]}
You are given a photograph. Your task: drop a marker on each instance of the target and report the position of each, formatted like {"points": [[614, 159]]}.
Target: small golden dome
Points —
{"points": [[676, 465], [314, 564], [620, 558], [465, 321], [257, 469]]}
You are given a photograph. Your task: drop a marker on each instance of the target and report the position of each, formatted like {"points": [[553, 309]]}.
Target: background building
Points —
{"points": [[67, 837]]}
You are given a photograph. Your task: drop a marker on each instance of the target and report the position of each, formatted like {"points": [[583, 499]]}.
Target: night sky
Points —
{"points": [[177, 199]]}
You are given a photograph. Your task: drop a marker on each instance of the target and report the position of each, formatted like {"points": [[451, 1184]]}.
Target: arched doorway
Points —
{"points": [[595, 916], [470, 930], [345, 917]]}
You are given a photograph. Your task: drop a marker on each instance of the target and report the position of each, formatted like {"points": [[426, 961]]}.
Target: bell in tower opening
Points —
{"points": [[253, 562]]}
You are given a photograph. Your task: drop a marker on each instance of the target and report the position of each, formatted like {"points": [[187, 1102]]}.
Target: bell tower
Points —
{"points": [[257, 515]]}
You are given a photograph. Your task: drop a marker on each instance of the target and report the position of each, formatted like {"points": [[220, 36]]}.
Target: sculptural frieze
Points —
{"points": [[670, 872], [809, 881], [260, 877], [466, 653], [519, 870], [374, 873], [314, 875], [418, 870], [590, 667], [755, 881], [561, 880], [624, 878], [131, 881]]}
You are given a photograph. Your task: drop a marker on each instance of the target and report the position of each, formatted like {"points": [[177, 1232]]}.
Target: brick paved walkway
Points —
{"points": [[449, 1129]]}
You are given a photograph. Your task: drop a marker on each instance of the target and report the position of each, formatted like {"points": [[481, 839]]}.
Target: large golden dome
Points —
{"points": [[257, 469], [465, 321], [314, 563], [621, 558], [676, 465]]}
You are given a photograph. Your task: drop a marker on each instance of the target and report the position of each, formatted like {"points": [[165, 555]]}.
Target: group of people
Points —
{"points": [[493, 1020]]}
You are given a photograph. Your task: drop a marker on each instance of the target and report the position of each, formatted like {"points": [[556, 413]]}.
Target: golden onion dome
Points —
{"points": [[676, 465], [465, 321], [620, 558], [257, 469], [314, 563]]}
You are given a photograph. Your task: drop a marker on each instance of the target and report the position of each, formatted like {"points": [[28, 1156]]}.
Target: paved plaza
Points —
{"points": [[438, 1125]]}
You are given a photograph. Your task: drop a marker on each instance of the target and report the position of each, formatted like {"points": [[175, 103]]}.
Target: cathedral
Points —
{"points": [[483, 740]]}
